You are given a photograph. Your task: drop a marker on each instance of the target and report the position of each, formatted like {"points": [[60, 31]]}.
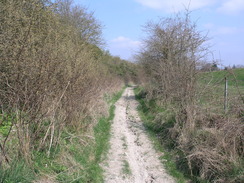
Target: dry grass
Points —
{"points": [[209, 137]]}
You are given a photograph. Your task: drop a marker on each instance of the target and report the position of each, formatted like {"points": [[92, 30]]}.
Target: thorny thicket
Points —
{"points": [[211, 141], [53, 74]]}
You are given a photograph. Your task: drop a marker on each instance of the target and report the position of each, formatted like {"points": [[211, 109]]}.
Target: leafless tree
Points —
{"points": [[170, 55]]}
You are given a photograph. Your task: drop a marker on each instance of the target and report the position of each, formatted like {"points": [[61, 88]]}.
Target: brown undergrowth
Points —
{"points": [[53, 75], [187, 107]]}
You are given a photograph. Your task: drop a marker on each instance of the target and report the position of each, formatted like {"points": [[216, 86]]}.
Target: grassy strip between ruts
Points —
{"points": [[146, 111]]}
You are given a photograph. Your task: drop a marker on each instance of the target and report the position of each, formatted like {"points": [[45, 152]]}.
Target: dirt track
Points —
{"points": [[132, 158]]}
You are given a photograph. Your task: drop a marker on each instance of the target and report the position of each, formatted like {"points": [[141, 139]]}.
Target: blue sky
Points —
{"points": [[123, 22]]}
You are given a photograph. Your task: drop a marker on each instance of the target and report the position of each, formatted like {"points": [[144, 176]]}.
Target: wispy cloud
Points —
{"points": [[175, 5], [124, 47], [124, 42], [223, 6], [222, 30], [232, 6]]}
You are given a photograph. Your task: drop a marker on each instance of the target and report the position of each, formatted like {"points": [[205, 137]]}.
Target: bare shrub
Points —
{"points": [[52, 76], [170, 55], [210, 140]]}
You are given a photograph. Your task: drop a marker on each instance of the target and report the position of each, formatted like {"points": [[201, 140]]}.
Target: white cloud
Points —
{"points": [[223, 6], [222, 30], [232, 6], [124, 42], [175, 5], [124, 47], [217, 33]]}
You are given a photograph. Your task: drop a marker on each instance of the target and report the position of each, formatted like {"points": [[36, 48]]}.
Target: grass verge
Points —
{"points": [[147, 111], [76, 160], [86, 158], [160, 123], [18, 171]]}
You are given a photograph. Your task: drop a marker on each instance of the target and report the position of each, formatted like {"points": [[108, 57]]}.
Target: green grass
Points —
{"points": [[173, 159], [6, 123], [126, 168], [76, 160], [176, 167], [124, 142], [212, 87], [90, 156], [235, 76], [111, 99], [18, 171], [158, 120]]}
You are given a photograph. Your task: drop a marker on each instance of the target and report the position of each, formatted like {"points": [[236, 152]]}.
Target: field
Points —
{"points": [[212, 88], [234, 76]]}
